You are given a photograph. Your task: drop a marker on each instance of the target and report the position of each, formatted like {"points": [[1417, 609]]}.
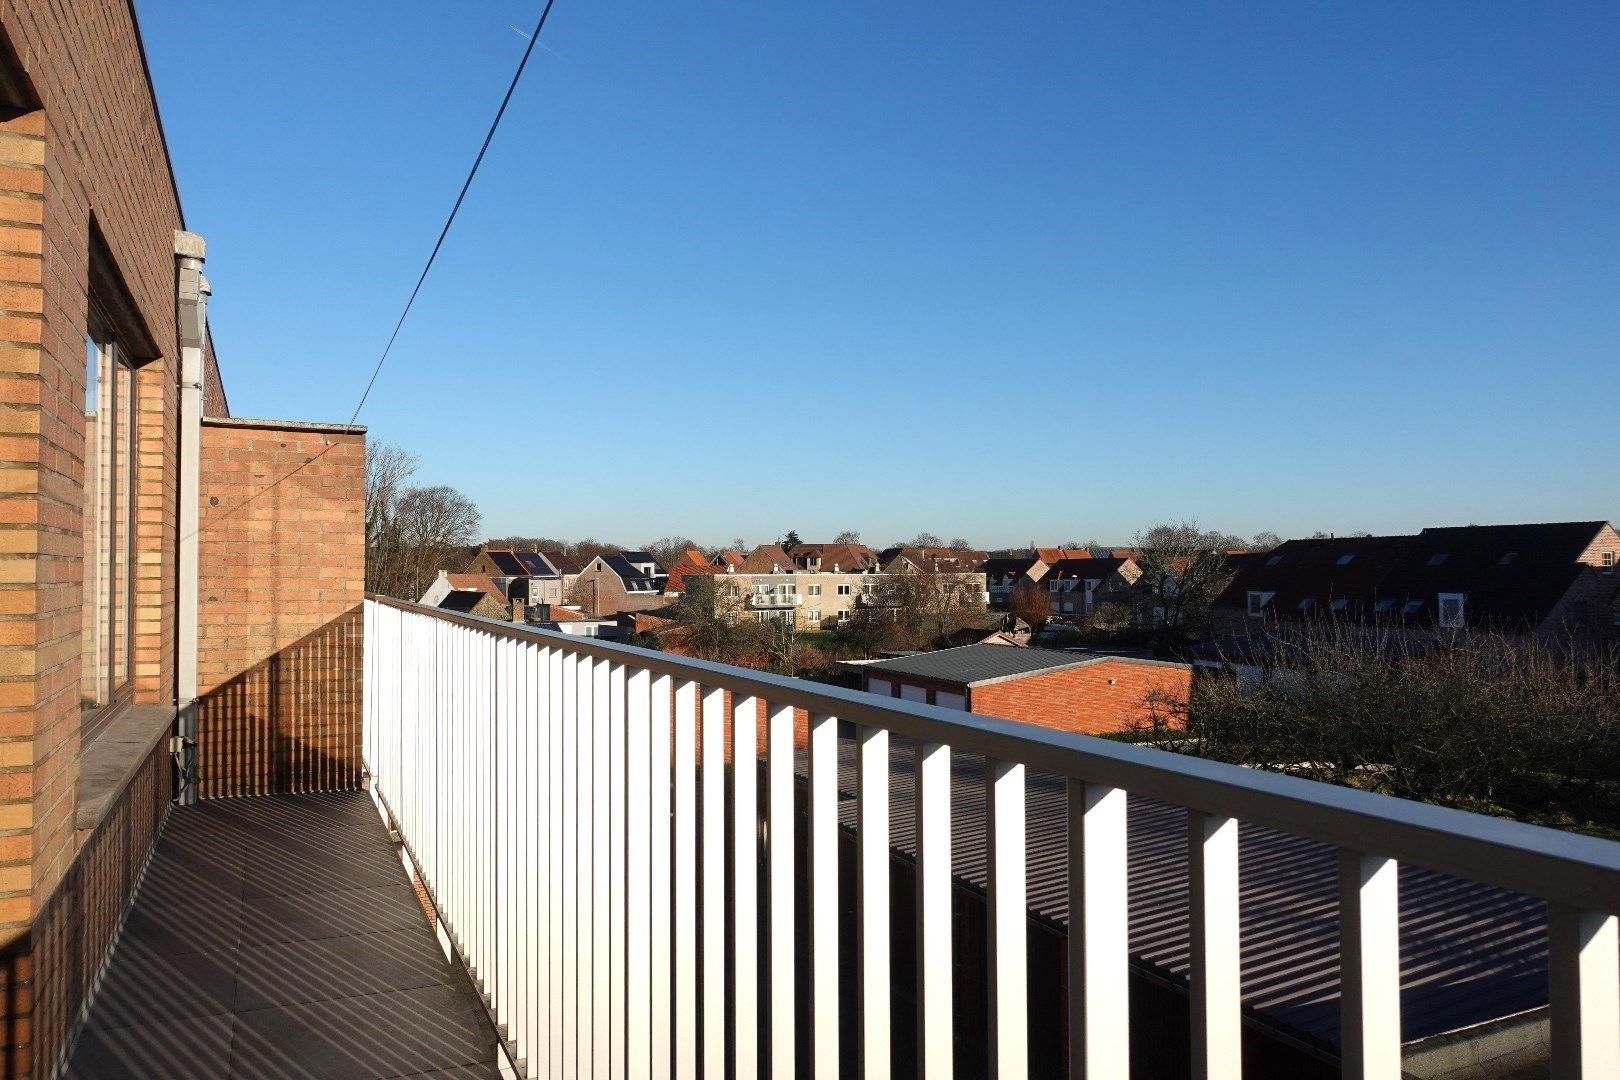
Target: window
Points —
{"points": [[1385, 606], [1607, 562], [1274, 560], [843, 590], [1412, 607], [1340, 604], [1344, 560], [1257, 603], [1451, 609], [1507, 560], [812, 615], [814, 590], [1438, 558], [1307, 603], [109, 518]]}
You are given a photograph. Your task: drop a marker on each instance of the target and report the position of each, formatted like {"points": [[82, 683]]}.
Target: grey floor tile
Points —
{"points": [[192, 1049], [287, 973], [331, 913], [169, 928], [163, 988], [436, 1027]]}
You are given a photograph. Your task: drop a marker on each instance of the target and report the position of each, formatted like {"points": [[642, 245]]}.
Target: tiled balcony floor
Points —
{"points": [[279, 937]]}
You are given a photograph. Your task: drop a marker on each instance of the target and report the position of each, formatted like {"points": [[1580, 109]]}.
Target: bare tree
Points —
{"points": [[848, 536], [387, 469], [1183, 570], [669, 548], [431, 523], [960, 544], [1031, 603], [1265, 541], [914, 609], [711, 621]]}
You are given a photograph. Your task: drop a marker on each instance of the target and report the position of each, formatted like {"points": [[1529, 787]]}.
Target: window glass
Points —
{"points": [[106, 661]]}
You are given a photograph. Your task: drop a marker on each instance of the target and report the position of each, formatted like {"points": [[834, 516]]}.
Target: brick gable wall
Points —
{"points": [[1092, 700]]}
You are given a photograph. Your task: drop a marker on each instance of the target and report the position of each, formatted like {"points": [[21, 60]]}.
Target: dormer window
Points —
{"points": [[1307, 603], [1438, 558], [1451, 609], [1257, 603], [1340, 604], [1344, 560]]}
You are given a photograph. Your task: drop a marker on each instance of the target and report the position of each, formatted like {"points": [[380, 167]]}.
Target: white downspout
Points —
{"points": [[192, 301]]}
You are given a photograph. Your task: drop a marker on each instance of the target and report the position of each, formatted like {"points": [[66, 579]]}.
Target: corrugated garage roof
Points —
{"points": [[1470, 953]]}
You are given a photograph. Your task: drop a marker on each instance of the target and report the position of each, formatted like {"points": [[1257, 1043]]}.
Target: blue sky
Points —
{"points": [[1010, 272]]}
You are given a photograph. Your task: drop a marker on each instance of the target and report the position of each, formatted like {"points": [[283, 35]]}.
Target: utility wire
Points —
{"points": [[534, 39], [461, 196]]}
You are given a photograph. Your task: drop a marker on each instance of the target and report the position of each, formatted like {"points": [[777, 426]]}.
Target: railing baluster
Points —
{"points": [[783, 932], [571, 802], [601, 867], [745, 884], [1216, 977], [714, 883], [824, 897], [1099, 925], [935, 1037], [686, 882], [617, 928], [1369, 966], [556, 1001], [661, 1048], [872, 884], [538, 858], [1009, 921], [1584, 983], [639, 783]]}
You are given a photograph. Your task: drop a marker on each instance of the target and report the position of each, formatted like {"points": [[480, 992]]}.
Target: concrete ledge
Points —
{"points": [[284, 425], [109, 763]]}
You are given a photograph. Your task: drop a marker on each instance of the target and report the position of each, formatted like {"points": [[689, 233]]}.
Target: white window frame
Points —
{"points": [[843, 590], [1258, 610], [814, 590], [1461, 600]]}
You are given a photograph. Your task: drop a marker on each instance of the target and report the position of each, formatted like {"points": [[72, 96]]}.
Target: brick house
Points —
{"points": [[534, 577], [163, 562], [1091, 695], [1081, 586], [1006, 575], [470, 594], [1547, 581], [614, 583]]}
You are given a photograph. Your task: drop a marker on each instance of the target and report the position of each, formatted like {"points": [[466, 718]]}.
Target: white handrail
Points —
{"points": [[448, 694]]}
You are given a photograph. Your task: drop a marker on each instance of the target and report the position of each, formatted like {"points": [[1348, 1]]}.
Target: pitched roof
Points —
{"points": [[634, 580], [506, 561], [689, 557], [563, 561], [1058, 554], [1014, 566], [461, 600], [1087, 569], [767, 559], [947, 560], [676, 582], [847, 557], [476, 583], [534, 564], [727, 558], [1512, 575]]}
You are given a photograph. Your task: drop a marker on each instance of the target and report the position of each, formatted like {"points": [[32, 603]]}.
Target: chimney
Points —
{"points": [[517, 609]]}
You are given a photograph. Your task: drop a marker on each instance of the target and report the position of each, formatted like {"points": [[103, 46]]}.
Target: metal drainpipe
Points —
{"points": [[192, 301]]}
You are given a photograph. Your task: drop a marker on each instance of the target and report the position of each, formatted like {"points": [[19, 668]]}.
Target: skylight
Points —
{"points": [[1412, 607], [1507, 559], [1344, 560], [1274, 560], [1307, 603], [1385, 606], [1339, 604], [1438, 559]]}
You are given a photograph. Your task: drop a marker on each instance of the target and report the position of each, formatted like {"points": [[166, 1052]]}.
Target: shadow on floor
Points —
{"points": [[279, 937]]}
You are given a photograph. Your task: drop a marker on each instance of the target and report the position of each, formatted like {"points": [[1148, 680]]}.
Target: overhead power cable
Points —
{"points": [[528, 50]]}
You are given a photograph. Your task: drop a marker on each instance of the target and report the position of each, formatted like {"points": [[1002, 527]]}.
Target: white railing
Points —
{"points": [[550, 793], [774, 600]]}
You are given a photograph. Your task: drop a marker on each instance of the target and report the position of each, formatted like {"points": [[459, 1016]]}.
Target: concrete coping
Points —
{"points": [[108, 764], [284, 425]]}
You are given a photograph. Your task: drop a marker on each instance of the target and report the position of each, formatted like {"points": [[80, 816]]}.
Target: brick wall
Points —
{"points": [[282, 541]]}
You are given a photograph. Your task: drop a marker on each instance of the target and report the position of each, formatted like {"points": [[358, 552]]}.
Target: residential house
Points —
{"points": [[1548, 581], [1088, 694], [1005, 575], [835, 558], [613, 583], [530, 576], [691, 564], [1082, 586], [906, 557], [728, 559], [469, 594]]}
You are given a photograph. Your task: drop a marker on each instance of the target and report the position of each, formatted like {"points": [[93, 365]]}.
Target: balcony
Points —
{"points": [[774, 600], [970, 895]]}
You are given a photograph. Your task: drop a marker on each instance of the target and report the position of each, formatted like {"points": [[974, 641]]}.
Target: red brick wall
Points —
{"points": [[1091, 700], [282, 548]]}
